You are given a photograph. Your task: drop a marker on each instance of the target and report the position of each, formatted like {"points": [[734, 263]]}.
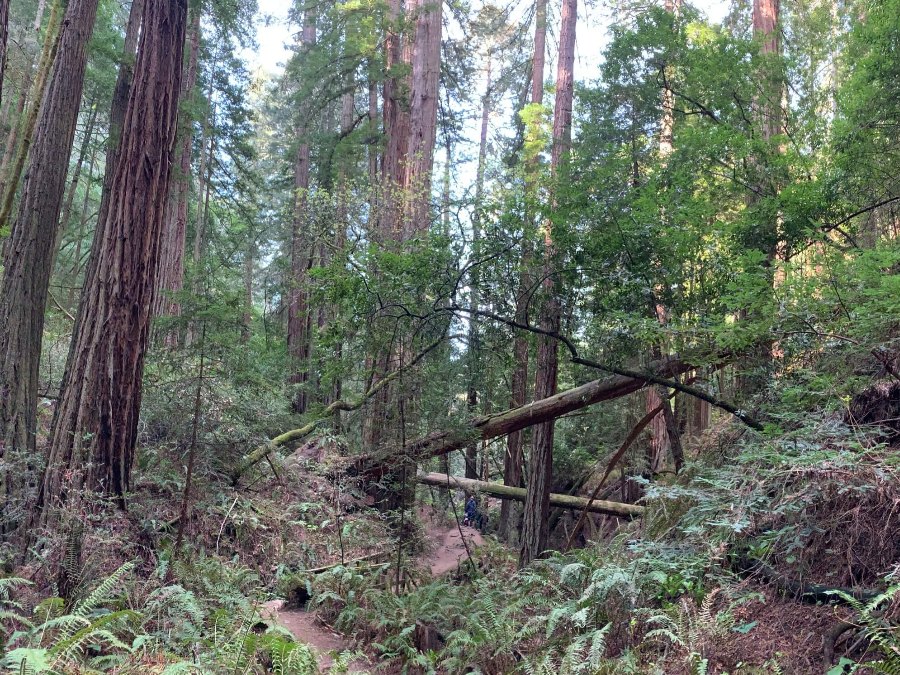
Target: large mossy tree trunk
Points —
{"points": [[30, 251], [94, 431]]}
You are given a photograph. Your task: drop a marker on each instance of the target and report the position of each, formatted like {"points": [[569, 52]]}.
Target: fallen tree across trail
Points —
{"points": [[518, 494], [486, 427]]}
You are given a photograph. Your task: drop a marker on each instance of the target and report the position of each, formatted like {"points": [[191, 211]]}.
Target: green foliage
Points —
{"points": [[882, 632]]}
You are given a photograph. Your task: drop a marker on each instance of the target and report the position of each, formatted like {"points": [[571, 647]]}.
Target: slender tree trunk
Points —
{"points": [[24, 89], [510, 513], [300, 324], [30, 118], [30, 253], [474, 348], [80, 233], [171, 274], [4, 38], [94, 430], [79, 164], [764, 235], [207, 155], [540, 467], [247, 316]]}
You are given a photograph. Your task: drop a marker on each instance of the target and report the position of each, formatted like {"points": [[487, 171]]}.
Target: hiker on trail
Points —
{"points": [[471, 511]]}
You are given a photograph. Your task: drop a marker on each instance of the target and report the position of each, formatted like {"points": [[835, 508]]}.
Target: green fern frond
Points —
{"points": [[103, 592]]}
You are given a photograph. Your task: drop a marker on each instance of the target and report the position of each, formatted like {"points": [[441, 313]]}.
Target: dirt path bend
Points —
{"points": [[306, 629], [450, 551]]}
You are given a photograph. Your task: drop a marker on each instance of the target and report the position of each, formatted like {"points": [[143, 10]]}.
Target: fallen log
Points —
{"points": [[518, 494], [503, 423]]}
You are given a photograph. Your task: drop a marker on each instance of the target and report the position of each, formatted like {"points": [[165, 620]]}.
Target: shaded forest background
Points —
{"points": [[261, 335]]}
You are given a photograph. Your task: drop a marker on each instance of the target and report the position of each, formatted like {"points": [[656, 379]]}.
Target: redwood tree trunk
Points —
{"points": [[535, 531], [423, 104], [474, 348], [116, 120], [510, 513], [171, 273], [30, 251], [764, 234], [299, 328], [94, 430]]}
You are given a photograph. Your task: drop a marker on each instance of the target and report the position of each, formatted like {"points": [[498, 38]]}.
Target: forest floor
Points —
{"points": [[447, 551]]}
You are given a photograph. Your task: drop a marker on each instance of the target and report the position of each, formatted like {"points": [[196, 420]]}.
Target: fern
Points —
{"points": [[883, 636], [103, 592]]}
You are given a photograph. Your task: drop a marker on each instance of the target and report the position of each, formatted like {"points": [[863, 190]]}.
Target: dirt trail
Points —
{"points": [[307, 629], [448, 553]]}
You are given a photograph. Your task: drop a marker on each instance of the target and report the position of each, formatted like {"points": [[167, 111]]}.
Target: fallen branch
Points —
{"points": [[645, 377], [631, 438], [263, 451], [503, 423], [518, 494]]}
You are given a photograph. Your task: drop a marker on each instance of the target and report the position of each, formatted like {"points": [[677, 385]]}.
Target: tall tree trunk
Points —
{"points": [[94, 429], [764, 234], [116, 121], [766, 14], [171, 273], [423, 105], [474, 348], [4, 38], [540, 468], [12, 171], [511, 514], [300, 320], [659, 436], [398, 53], [30, 253], [24, 88], [387, 231]]}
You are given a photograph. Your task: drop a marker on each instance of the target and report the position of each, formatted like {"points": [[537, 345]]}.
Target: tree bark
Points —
{"points": [[30, 251], [396, 124], [426, 69], [535, 531], [506, 492], [94, 430], [474, 348], [28, 122], [4, 38], [510, 514], [116, 120], [300, 320], [171, 273]]}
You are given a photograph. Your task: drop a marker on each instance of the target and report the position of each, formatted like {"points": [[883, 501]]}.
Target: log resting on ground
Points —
{"points": [[518, 494]]}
